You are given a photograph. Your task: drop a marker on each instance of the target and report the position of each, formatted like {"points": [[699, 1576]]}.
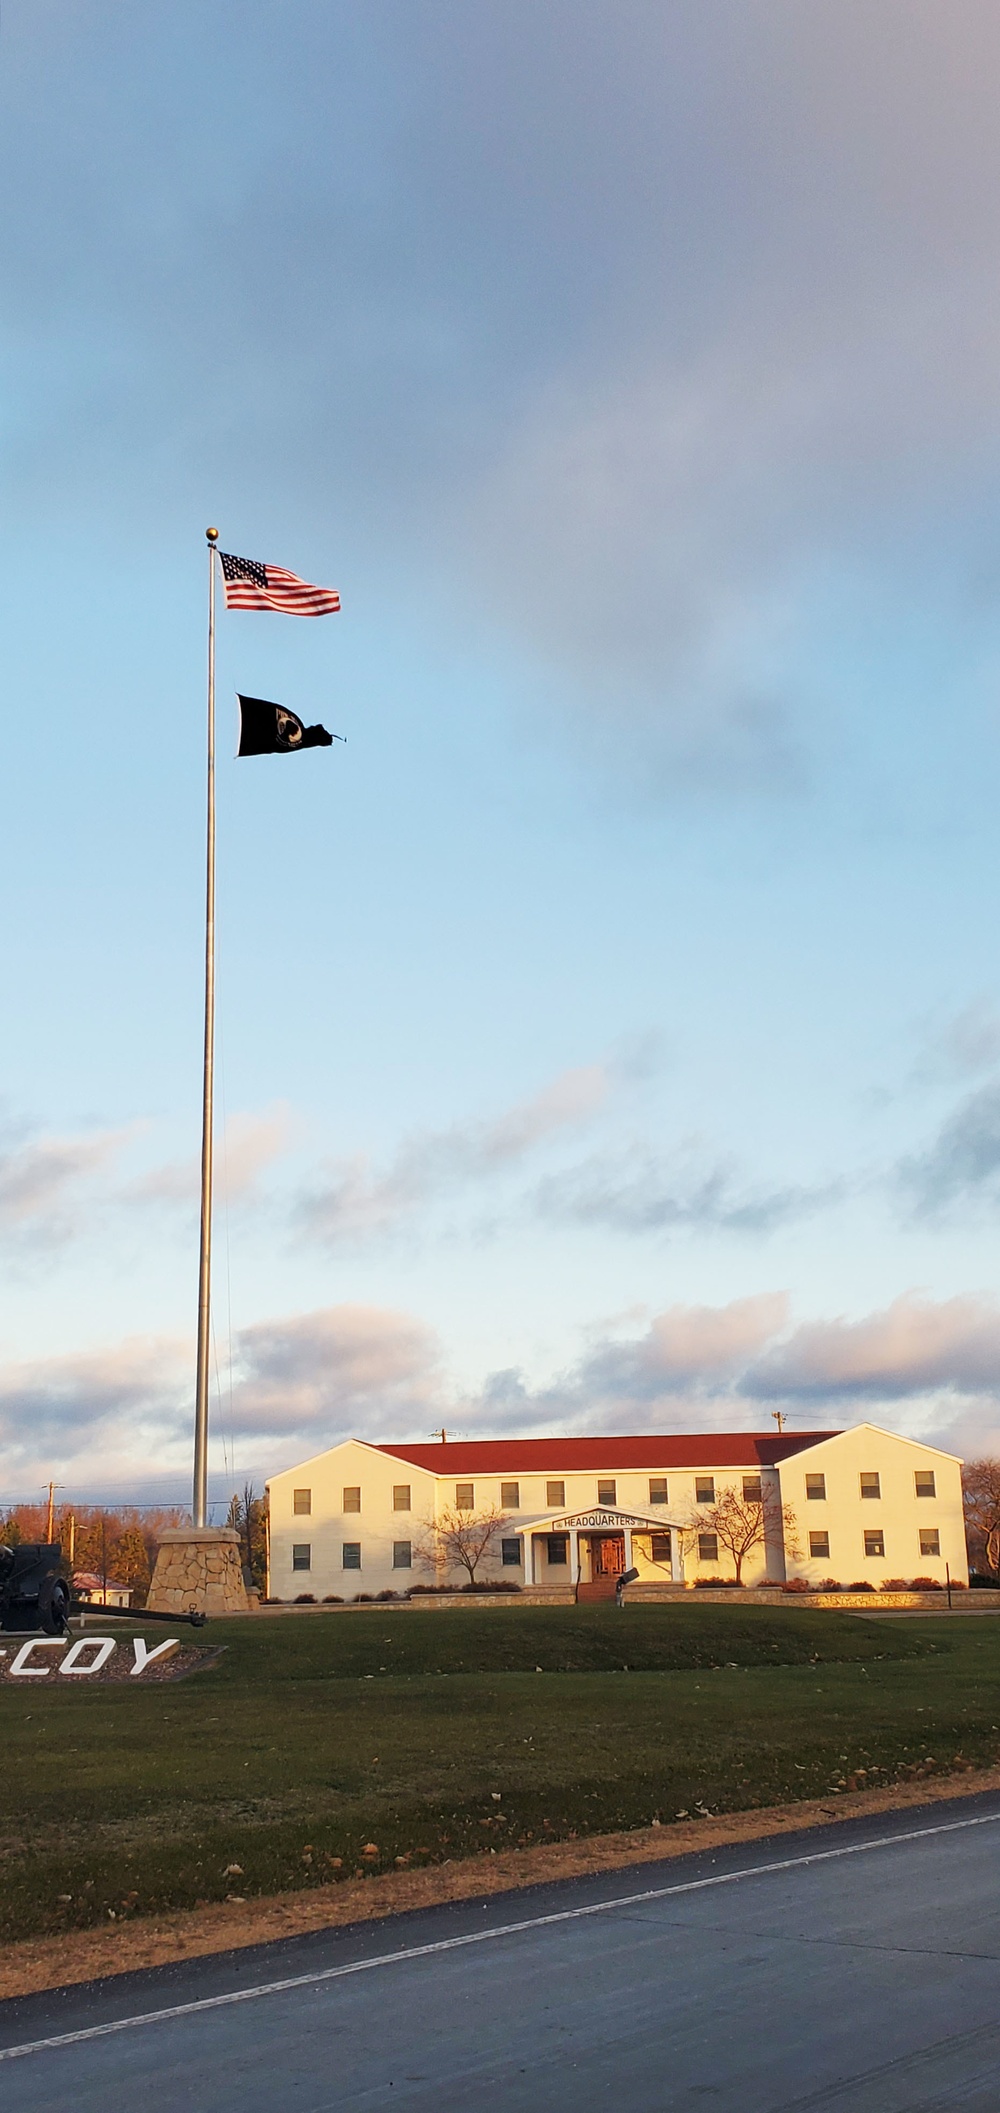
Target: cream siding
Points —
{"points": [[898, 1513]]}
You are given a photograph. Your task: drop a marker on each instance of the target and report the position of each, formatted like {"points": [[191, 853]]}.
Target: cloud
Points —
{"points": [[640, 1194], [123, 1414], [660, 337], [41, 1180], [913, 1348], [113, 1409], [963, 1163], [929, 1366], [341, 1372], [357, 1200], [249, 1144]]}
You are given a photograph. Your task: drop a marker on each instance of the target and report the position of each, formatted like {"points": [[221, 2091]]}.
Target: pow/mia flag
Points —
{"points": [[269, 730]]}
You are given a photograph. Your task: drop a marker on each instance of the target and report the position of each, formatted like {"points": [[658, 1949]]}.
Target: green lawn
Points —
{"points": [[440, 1734]]}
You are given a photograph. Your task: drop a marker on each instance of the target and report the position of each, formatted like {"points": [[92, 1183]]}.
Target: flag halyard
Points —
{"points": [[250, 585]]}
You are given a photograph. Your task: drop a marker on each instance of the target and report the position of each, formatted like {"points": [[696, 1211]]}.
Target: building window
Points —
{"points": [[816, 1488], [302, 1555], [352, 1499], [871, 1486], [555, 1495], [924, 1482], [752, 1492], [607, 1492], [351, 1555], [402, 1556], [510, 1496], [704, 1489], [659, 1547], [401, 1496], [819, 1544], [930, 1541], [465, 1496], [302, 1502], [875, 1542], [510, 1553], [708, 1548], [658, 1489], [558, 1549]]}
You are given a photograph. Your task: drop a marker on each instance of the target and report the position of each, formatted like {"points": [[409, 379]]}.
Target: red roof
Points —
{"points": [[544, 1456]]}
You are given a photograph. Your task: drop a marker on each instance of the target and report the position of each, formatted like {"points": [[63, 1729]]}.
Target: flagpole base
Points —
{"points": [[198, 1567]]}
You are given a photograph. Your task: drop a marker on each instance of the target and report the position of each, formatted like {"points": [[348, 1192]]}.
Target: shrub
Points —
{"points": [[421, 1591], [387, 1595], [830, 1584], [274, 1600], [364, 1599], [797, 1584], [332, 1599], [861, 1584], [894, 1584], [505, 1584], [304, 1599], [926, 1584]]}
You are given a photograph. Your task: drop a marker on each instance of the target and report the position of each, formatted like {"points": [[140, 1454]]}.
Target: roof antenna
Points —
{"points": [[780, 1418]]}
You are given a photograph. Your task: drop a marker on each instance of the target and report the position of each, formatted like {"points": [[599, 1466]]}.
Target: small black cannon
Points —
{"points": [[628, 1577], [34, 1594]]}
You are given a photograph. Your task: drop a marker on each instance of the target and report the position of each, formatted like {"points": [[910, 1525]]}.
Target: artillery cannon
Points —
{"points": [[34, 1594]]}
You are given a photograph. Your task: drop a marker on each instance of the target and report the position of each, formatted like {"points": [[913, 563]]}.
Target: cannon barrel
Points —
{"points": [[194, 1617]]}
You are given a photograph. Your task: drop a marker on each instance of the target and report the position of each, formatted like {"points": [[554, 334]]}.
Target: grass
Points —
{"points": [[325, 1744]]}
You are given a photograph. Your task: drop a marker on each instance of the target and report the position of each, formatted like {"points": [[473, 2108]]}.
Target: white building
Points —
{"points": [[856, 1505]]}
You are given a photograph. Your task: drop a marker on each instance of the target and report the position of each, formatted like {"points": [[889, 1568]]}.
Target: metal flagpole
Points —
{"points": [[200, 1503]]}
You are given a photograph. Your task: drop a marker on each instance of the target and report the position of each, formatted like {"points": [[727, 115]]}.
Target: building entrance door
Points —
{"points": [[607, 1554]]}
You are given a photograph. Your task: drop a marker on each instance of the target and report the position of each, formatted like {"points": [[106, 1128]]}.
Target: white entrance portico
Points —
{"points": [[592, 1549]]}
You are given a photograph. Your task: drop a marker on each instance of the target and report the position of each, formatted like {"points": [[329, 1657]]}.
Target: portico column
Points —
{"points": [[676, 1557], [628, 1547]]}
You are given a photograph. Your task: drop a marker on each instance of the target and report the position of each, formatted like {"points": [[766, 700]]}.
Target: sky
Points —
{"points": [[609, 1031]]}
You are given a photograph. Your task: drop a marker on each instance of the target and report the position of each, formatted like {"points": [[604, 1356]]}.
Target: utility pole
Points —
{"points": [[50, 1520], [780, 1418]]}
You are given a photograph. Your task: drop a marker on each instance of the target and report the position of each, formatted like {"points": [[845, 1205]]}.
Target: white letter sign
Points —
{"points": [[105, 1646]]}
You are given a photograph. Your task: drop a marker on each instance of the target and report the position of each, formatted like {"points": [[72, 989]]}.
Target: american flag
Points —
{"points": [[252, 586]]}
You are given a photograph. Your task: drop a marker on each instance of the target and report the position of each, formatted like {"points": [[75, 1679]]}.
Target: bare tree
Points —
{"points": [[741, 1524], [462, 1539], [981, 1502]]}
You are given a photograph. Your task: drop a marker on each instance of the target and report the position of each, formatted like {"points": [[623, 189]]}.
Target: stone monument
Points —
{"points": [[198, 1566]]}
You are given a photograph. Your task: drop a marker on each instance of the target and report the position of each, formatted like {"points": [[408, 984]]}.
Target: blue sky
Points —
{"points": [[610, 1034]]}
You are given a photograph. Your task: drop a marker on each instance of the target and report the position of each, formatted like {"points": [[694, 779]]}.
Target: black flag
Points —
{"points": [[269, 730]]}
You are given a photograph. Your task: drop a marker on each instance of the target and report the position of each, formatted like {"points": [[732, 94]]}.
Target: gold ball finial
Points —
{"points": [[212, 534]]}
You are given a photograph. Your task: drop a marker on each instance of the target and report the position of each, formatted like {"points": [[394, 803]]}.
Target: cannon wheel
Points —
{"points": [[53, 1606]]}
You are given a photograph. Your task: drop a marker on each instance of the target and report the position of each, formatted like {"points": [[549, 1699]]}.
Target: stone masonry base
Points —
{"points": [[198, 1566]]}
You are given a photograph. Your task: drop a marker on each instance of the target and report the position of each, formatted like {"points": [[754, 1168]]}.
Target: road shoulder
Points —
{"points": [[44, 1963]]}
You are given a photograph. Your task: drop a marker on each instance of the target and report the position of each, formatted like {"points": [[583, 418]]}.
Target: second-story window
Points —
{"points": [[658, 1489], [352, 1497], [924, 1482], [704, 1490], [816, 1488], [752, 1492], [510, 1496], [465, 1496], [555, 1495], [401, 1496], [607, 1491], [302, 1503], [871, 1486]]}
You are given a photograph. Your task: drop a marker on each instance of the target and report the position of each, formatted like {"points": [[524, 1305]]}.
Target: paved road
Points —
{"points": [[853, 1970]]}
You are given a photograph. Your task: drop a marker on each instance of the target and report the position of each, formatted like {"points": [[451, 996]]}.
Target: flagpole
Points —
{"points": [[199, 1509]]}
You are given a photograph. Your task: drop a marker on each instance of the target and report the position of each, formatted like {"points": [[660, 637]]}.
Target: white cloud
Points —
{"points": [[355, 1199]]}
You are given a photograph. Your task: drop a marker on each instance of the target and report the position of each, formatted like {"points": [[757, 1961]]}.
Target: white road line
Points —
{"points": [[506, 1929]]}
